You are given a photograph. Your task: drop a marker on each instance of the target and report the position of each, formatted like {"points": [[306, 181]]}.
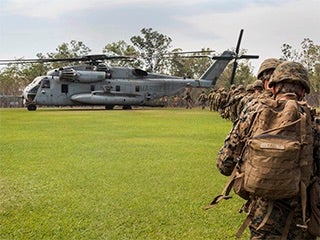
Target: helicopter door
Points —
{"points": [[62, 97]]}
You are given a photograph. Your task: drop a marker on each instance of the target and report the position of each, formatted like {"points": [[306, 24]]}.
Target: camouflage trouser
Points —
{"points": [[273, 226]]}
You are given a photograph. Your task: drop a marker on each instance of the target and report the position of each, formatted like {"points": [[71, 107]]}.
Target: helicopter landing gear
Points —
{"points": [[32, 107], [109, 107], [126, 107]]}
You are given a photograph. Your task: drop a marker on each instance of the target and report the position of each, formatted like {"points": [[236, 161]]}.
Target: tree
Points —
{"points": [[121, 48], [152, 46]]}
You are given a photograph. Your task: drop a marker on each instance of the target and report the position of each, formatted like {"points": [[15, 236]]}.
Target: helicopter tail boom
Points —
{"points": [[215, 70]]}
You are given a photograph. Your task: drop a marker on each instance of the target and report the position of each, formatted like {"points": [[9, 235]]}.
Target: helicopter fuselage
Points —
{"points": [[71, 86]]}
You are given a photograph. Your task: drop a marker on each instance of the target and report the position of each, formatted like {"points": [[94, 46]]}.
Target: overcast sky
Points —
{"points": [[29, 27]]}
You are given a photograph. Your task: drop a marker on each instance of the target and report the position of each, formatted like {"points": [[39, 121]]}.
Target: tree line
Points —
{"points": [[152, 52]]}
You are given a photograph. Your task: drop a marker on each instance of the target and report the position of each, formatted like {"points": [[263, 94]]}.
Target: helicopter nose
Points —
{"points": [[25, 94]]}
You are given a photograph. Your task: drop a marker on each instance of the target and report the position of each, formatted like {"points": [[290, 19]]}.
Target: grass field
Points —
{"points": [[95, 174]]}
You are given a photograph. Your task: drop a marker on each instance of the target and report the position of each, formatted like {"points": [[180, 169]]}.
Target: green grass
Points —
{"points": [[95, 174]]}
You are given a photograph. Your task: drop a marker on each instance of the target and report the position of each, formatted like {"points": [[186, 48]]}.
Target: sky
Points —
{"points": [[28, 27]]}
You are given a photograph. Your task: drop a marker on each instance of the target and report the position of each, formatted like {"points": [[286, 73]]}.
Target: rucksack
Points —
{"points": [[278, 152]]}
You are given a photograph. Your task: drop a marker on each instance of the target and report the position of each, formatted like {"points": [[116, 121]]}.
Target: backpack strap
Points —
{"points": [[287, 225], [267, 216], [303, 187], [244, 225], [225, 193], [250, 205], [303, 190]]}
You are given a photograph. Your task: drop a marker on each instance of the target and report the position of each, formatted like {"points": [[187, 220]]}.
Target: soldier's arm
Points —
{"points": [[229, 154]]}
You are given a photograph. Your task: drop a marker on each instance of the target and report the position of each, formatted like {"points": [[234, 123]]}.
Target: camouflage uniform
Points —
{"points": [[202, 99], [234, 102], [222, 103], [268, 219], [274, 227], [189, 100], [210, 98], [248, 96], [258, 88]]}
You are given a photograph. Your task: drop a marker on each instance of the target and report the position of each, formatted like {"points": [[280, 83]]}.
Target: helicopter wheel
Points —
{"points": [[32, 107], [109, 107], [126, 107]]}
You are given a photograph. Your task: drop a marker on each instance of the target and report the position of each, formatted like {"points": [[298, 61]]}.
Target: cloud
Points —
{"points": [[267, 26], [56, 8]]}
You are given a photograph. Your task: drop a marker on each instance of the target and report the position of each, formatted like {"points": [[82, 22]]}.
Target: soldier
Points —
{"points": [[223, 102], [202, 99], [211, 98], [189, 100], [248, 96], [216, 100], [258, 88], [234, 102], [273, 219], [265, 72]]}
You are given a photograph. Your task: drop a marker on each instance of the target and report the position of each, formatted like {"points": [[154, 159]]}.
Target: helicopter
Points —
{"points": [[98, 84]]}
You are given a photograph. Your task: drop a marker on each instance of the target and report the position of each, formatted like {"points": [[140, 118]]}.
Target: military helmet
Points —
{"points": [[291, 72], [240, 88], [258, 84], [249, 87], [269, 63]]}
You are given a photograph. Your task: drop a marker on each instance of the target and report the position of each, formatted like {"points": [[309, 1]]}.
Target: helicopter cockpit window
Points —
{"points": [[45, 83]]}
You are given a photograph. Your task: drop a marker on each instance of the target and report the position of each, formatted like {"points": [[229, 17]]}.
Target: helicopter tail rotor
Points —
{"points": [[237, 56], [235, 63]]}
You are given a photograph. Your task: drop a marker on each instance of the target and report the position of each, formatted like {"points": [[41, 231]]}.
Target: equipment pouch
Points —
{"points": [[272, 167], [238, 186]]}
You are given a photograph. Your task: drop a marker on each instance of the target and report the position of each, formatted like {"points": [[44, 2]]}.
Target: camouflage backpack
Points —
{"points": [[277, 161]]}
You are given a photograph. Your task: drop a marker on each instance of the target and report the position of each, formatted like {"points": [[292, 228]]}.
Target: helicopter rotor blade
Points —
{"points": [[192, 56], [239, 42], [87, 58], [233, 73], [235, 63], [189, 52], [223, 57], [248, 57]]}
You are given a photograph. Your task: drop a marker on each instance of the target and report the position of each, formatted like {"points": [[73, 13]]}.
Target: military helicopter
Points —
{"points": [[96, 83]]}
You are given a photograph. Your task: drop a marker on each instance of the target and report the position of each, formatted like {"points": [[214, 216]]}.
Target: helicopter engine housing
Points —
{"points": [[82, 76]]}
